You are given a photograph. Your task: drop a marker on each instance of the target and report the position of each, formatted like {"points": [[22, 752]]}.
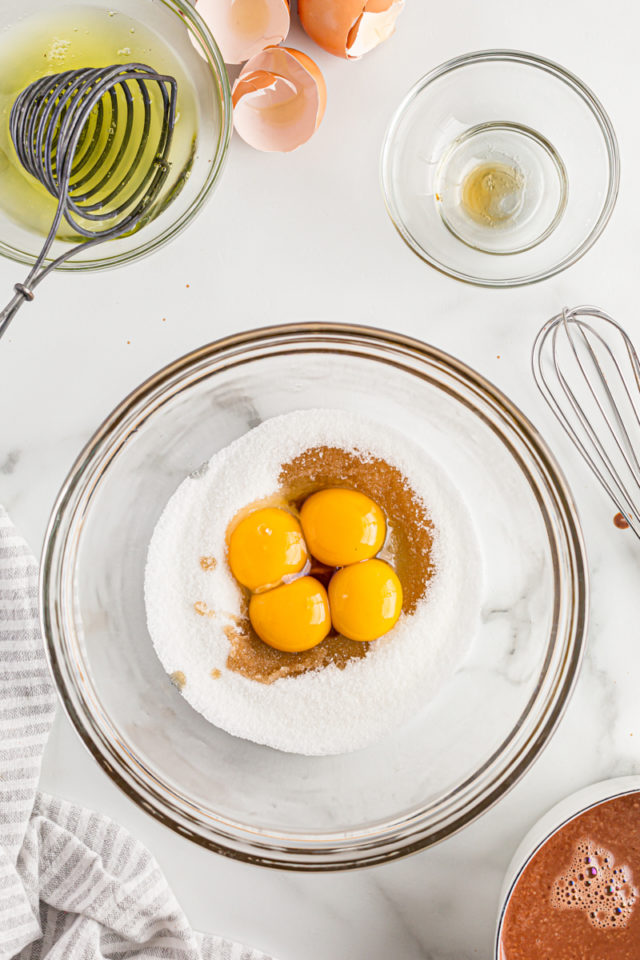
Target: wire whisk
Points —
{"points": [[99, 142], [587, 369]]}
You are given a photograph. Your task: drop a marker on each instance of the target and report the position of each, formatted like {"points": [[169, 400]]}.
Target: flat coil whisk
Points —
{"points": [[587, 369], [98, 140]]}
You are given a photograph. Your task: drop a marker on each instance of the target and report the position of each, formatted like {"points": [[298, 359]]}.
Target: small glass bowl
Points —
{"points": [[548, 825], [424, 780], [500, 168], [182, 30]]}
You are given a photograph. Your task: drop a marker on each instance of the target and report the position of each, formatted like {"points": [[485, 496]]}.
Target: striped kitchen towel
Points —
{"points": [[73, 884]]}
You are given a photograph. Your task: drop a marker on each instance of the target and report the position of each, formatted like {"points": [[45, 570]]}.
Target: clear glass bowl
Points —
{"points": [[180, 29], [423, 781], [537, 131]]}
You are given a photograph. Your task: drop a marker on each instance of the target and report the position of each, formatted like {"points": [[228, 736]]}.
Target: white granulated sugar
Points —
{"points": [[330, 710]]}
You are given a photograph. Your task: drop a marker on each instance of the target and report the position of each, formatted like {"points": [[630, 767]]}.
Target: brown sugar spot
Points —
{"points": [[239, 622], [203, 610], [258, 661], [620, 522], [407, 549], [409, 529], [178, 679], [321, 572], [208, 563], [215, 673]]}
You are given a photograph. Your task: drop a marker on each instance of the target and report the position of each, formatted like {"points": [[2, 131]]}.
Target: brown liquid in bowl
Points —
{"points": [[407, 548], [579, 897]]}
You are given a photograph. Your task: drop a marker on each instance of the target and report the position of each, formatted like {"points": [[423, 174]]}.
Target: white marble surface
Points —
{"points": [[305, 236]]}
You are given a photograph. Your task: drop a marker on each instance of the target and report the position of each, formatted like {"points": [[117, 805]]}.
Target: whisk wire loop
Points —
{"points": [[93, 139], [588, 371], [89, 142], [618, 429]]}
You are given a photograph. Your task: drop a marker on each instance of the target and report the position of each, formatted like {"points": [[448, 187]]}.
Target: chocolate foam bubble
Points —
{"points": [[595, 884]]}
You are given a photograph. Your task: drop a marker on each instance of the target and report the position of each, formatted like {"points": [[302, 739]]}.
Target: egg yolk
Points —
{"points": [[365, 600], [342, 526], [266, 546], [293, 617]]}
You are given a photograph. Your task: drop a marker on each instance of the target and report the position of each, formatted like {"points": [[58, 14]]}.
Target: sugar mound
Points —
{"points": [[328, 711]]}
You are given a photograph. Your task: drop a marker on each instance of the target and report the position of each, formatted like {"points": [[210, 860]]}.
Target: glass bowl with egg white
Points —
{"points": [[440, 717], [46, 37]]}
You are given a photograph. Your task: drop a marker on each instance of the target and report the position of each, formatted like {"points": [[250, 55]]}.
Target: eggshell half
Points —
{"points": [[349, 28], [243, 28], [278, 99]]}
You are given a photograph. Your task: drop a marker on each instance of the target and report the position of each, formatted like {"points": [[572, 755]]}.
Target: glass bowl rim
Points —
{"points": [[184, 10], [537, 62], [327, 854]]}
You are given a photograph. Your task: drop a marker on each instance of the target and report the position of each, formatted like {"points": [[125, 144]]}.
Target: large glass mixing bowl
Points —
{"points": [[179, 38], [423, 781]]}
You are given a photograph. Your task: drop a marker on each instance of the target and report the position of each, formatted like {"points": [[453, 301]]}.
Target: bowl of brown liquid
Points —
{"points": [[573, 887]]}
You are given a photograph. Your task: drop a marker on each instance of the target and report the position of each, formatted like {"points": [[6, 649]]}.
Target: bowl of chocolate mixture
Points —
{"points": [[573, 887]]}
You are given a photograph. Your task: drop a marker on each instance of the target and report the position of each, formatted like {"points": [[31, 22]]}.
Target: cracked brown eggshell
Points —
{"points": [[349, 28], [243, 28], [278, 99]]}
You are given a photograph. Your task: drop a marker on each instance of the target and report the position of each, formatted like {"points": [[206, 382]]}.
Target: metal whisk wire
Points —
{"points": [[588, 371], [89, 137]]}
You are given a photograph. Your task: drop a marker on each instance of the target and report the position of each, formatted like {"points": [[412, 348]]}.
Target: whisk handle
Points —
{"points": [[22, 293]]}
